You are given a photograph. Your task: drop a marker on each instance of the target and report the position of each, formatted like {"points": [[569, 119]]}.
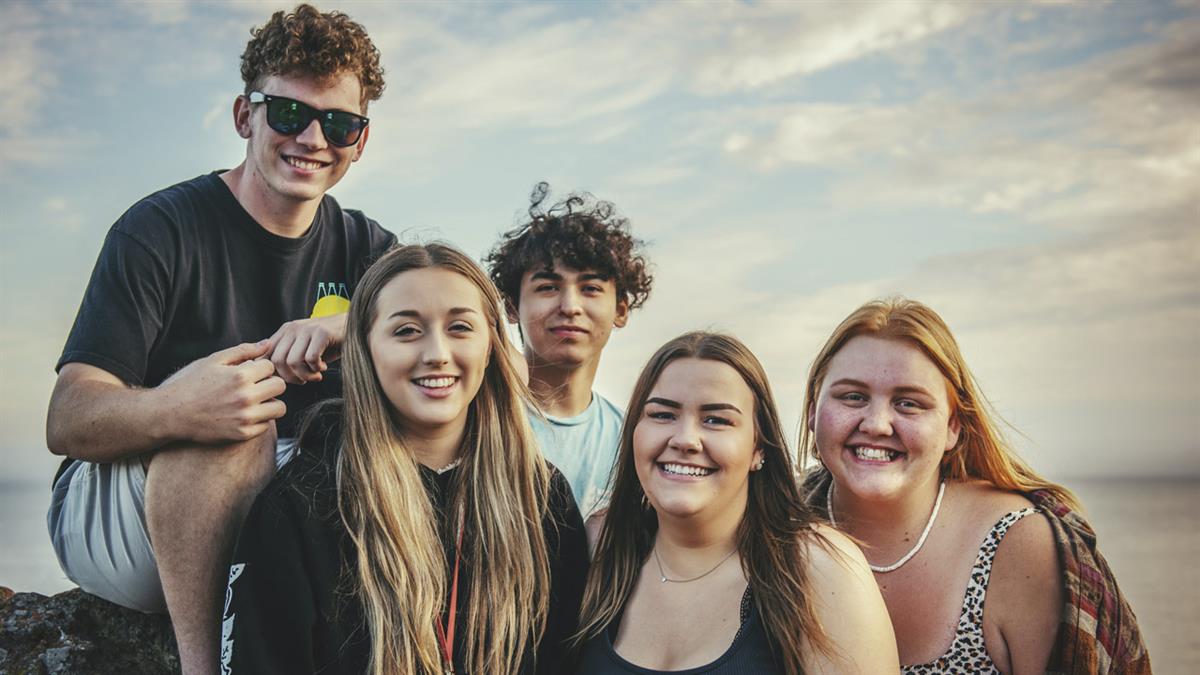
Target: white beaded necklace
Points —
{"points": [[937, 504]]}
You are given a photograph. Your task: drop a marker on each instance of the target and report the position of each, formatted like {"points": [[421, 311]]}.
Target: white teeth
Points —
{"points": [[435, 382], [877, 454], [683, 470], [303, 164]]}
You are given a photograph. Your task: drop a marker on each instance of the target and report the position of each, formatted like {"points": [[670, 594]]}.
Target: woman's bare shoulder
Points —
{"points": [[837, 565], [834, 557], [849, 607], [1025, 593], [1027, 558], [984, 498]]}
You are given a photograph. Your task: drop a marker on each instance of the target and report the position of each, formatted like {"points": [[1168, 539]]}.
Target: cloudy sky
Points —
{"points": [[1032, 171]]}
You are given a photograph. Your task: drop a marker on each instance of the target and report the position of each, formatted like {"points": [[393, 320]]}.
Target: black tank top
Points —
{"points": [[748, 654]]}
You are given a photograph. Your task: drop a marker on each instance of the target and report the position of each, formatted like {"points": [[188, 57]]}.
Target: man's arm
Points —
{"points": [[225, 397], [301, 349]]}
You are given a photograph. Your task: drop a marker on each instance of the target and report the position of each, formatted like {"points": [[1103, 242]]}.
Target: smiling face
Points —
{"points": [[303, 167], [430, 345], [694, 444], [883, 421], [567, 315]]}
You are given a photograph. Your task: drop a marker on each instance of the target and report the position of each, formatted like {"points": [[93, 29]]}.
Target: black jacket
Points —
{"points": [[289, 605]]}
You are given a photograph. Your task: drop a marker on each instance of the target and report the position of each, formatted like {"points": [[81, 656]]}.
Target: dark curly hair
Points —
{"points": [[580, 232], [310, 43]]}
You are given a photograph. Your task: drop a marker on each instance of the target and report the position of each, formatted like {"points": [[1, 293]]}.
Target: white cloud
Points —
{"points": [[655, 176], [157, 12], [41, 150], [1101, 141], [821, 134], [538, 68], [769, 42], [551, 76], [23, 76], [219, 111], [61, 213]]}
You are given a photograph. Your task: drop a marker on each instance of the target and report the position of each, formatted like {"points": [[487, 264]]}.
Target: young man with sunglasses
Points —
{"points": [[210, 322]]}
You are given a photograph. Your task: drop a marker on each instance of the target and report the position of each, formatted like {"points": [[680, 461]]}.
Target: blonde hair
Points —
{"points": [[772, 537], [502, 486], [982, 452]]}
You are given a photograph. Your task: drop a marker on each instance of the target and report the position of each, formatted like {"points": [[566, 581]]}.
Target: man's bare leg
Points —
{"points": [[196, 499]]}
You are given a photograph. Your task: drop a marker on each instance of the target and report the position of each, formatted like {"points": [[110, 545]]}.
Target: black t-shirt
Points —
{"points": [[187, 272], [290, 607]]}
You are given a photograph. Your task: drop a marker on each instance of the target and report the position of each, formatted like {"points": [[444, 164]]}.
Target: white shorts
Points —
{"points": [[97, 523]]}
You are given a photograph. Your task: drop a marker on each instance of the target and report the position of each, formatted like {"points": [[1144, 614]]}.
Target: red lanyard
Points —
{"points": [[446, 634]]}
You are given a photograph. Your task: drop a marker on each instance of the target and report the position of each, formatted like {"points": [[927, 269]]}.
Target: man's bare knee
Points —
{"points": [[245, 465], [196, 499]]}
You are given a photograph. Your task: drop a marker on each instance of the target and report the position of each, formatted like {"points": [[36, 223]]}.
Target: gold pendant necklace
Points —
{"points": [[663, 575]]}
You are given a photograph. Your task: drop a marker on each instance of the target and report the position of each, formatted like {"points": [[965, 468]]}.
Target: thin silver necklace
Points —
{"points": [[663, 575], [937, 505]]}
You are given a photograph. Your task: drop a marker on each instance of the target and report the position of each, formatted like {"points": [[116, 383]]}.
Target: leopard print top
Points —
{"points": [[967, 653]]}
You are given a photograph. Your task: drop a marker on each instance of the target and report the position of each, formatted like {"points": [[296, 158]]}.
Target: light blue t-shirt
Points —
{"points": [[584, 448]]}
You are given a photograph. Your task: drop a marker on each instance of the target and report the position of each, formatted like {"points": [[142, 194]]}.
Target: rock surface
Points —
{"points": [[74, 632]]}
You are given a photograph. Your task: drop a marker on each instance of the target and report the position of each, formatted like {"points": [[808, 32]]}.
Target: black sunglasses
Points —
{"points": [[290, 117]]}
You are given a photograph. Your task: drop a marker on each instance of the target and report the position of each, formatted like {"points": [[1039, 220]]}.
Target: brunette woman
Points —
{"points": [[708, 560], [419, 531], [913, 466]]}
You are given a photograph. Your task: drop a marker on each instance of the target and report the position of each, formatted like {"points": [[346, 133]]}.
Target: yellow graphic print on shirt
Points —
{"points": [[332, 298]]}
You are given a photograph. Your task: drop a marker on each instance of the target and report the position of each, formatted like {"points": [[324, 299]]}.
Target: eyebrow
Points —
{"points": [[903, 390], [551, 275], [706, 407], [454, 311]]}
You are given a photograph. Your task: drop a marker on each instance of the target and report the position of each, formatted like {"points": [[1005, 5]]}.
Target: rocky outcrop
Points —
{"points": [[74, 632]]}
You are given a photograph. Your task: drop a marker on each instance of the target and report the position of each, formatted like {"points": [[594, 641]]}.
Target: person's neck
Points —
{"points": [[693, 545], [437, 449], [561, 391], [885, 526], [285, 218]]}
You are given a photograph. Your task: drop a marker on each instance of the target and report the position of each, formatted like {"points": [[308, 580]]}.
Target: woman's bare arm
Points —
{"points": [[851, 611], [1025, 597]]}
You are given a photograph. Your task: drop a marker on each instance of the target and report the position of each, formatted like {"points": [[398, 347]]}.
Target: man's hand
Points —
{"points": [[301, 349], [227, 396]]}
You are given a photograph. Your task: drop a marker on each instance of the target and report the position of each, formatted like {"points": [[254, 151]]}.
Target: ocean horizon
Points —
{"points": [[1147, 529]]}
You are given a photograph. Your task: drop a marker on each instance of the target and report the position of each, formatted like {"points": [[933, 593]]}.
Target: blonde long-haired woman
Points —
{"points": [[420, 530], [912, 466], [708, 561]]}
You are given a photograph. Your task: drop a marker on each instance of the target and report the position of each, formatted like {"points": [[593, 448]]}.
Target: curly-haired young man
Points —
{"points": [[211, 302], [570, 276]]}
